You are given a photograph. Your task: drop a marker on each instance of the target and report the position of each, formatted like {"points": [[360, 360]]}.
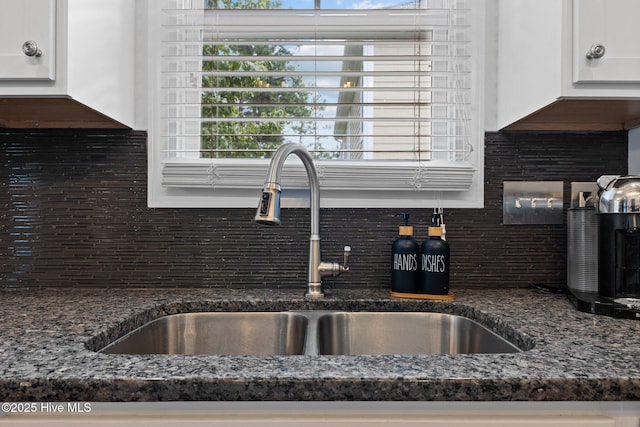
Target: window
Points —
{"points": [[386, 99]]}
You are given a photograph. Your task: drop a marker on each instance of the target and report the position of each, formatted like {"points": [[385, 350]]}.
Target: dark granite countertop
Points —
{"points": [[46, 335]]}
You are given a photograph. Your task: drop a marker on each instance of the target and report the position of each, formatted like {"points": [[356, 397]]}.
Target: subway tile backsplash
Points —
{"points": [[74, 214]]}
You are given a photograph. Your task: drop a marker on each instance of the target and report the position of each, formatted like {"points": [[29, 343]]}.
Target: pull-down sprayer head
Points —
{"points": [[268, 212]]}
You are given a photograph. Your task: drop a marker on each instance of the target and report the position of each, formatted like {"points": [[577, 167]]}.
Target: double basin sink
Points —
{"points": [[316, 332]]}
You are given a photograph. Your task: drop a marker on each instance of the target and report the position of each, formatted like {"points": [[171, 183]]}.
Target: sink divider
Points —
{"points": [[311, 347]]}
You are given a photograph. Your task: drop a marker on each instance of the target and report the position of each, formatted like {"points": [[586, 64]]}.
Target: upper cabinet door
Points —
{"points": [[606, 41], [27, 39]]}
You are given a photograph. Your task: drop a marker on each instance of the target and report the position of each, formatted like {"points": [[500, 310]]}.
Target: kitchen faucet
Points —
{"points": [[269, 213]]}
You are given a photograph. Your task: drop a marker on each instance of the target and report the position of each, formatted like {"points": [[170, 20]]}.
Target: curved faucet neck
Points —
{"points": [[275, 169]]}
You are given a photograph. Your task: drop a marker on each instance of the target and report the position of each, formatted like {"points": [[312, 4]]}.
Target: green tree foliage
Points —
{"points": [[240, 96]]}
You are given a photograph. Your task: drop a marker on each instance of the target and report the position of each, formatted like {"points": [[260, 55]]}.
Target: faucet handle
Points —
{"points": [[334, 269], [345, 262]]}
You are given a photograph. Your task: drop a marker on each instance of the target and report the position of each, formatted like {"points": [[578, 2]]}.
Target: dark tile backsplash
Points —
{"points": [[74, 214]]}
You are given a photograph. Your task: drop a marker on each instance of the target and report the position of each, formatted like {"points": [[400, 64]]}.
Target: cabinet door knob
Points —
{"points": [[595, 51], [30, 48]]}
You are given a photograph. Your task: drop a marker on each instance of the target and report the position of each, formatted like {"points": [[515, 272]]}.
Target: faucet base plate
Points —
{"points": [[314, 291]]}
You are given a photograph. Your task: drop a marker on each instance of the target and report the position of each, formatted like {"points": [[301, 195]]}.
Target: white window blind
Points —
{"points": [[386, 100]]}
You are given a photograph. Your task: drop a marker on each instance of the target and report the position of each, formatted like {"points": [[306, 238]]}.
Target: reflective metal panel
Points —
{"points": [[526, 202]]}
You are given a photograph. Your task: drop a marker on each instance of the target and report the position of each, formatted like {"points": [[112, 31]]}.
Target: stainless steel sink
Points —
{"points": [[406, 333], [311, 333], [246, 333]]}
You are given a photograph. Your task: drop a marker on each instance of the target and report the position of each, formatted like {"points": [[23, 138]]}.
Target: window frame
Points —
{"points": [[206, 194]]}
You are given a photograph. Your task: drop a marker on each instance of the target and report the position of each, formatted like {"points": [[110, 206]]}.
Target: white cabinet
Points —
{"points": [[343, 414], [544, 79], [606, 41], [27, 39], [93, 85]]}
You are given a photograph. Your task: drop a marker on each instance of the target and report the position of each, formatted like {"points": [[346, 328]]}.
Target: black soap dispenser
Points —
{"points": [[405, 259], [434, 260]]}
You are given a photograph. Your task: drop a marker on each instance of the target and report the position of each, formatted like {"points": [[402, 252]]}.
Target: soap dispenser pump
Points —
{"points": [[437, 220], [405, 259]]}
